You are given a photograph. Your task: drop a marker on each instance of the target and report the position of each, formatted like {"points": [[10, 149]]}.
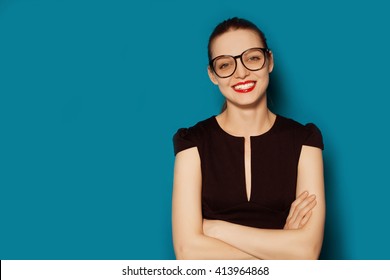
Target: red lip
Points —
{"points": [[246, 89]]}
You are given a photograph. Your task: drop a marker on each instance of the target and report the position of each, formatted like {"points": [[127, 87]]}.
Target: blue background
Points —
{"points": [[91, 93]]}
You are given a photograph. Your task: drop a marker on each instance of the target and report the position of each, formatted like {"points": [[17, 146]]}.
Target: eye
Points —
{"points": [[224, 63], [255, 58], [223, 66]]}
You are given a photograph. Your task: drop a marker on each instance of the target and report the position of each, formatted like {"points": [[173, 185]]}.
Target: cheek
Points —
{"points": [[262, 77], [262, 82], [223, 83], [224, 87]]}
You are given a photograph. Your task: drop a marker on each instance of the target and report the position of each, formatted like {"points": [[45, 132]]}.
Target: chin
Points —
{"points": [[253, 102]]}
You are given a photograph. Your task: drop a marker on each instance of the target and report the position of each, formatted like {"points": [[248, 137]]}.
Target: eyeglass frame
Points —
{"points": [[264, 50]]}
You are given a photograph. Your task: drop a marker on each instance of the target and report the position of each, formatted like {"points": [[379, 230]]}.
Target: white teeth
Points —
{"points": [[244, 86]]}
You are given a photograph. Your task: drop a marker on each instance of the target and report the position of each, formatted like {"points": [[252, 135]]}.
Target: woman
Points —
{"points": [[248, 184]]}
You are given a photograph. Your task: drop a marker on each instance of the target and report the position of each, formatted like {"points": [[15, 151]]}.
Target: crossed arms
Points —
{"points": [[196, 238]]}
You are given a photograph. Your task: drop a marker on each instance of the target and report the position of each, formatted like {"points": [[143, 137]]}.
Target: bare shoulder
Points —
{"points": [[310, 171], [187, 159], [310, 156], [187, 171]]}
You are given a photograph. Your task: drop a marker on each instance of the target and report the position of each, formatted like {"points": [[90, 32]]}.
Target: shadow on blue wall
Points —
{"points": [[333, 246]]}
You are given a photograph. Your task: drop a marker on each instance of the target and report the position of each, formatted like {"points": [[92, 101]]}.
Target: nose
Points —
{"points": [[241, 71]]}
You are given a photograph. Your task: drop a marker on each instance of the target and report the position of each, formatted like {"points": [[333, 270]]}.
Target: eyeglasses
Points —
{"points": [[225, 65]]}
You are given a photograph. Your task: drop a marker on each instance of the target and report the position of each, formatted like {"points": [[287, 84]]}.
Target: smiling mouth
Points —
{"points": [[244, 87]]}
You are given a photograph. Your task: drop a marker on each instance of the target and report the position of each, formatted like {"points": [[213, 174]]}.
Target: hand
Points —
{"points": [[300, 211]]}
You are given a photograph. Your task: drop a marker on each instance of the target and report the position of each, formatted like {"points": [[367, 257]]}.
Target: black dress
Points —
{"points": [[274, 163]]}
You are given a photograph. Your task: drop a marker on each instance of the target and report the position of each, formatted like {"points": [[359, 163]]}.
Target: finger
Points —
{"points": [[296, 202], [306, 207], [293, 206], [302, 218], [304, 214], [302, 204], [305, 219], [309, 207], [300, 210]]}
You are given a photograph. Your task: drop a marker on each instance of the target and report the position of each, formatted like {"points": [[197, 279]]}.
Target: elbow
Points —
{"points": [[185, 251], [314, 249], [308, 252], [308, 247], [314, 252], [182, 252]]}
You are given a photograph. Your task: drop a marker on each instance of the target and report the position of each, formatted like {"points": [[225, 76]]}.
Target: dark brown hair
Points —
{"points": [[234, 24]]}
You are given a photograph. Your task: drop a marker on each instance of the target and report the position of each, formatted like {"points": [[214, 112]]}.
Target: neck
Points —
{"points": [[246, 122]]}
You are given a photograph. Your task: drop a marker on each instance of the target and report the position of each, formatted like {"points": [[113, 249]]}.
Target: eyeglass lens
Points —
{"points": [[253, 59]]}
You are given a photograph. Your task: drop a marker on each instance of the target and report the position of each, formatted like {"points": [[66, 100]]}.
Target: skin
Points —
{"points": [[246, 115]]}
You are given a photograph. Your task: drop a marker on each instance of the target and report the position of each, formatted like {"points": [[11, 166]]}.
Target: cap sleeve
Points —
{"points": [[313, 136], [182, 140]]}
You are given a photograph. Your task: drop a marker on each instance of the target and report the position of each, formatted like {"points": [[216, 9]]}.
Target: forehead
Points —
{"points": [[234, 42]]}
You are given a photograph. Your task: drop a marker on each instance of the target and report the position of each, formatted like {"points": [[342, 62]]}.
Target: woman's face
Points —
{"points": [[244, 87]]}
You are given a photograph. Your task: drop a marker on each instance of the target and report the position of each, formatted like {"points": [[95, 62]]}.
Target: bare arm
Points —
{"points": [[302, 243], [187, 222]]}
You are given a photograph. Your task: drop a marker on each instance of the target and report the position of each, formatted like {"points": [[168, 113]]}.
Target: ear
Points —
{"points": [[212, 76], [270, 62]]}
